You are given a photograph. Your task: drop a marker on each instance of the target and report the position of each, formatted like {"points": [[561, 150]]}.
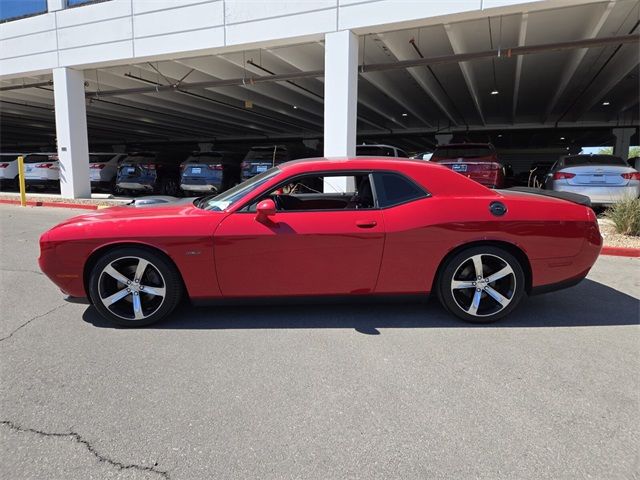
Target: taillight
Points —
{"points": [[4, 165], [98, 166], [182, 167], [490, 166], [631, 175], [244, 165], [44, 165], [563, 175], [215, 167]]}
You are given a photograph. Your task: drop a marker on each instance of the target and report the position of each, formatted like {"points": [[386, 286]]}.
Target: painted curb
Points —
{"points": [[36, 203], [621, 252]]}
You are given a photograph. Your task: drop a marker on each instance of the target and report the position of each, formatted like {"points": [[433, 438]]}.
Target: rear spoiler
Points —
{"points": [[571, 197]]}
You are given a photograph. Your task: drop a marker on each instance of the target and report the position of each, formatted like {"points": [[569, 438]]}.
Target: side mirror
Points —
{"points": [[266, 208]]}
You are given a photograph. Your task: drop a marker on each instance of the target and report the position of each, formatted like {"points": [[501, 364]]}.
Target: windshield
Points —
{"points": [[462, 151], [97, 158], [212, 157], [237, 193], [266, 154], [374, 151], [594, 160]]}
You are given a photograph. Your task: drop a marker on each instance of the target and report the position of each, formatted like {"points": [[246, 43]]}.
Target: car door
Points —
{"points": [[303, 253]]}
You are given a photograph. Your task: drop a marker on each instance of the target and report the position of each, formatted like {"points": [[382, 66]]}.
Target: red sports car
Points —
{"points": [[324, 228]]}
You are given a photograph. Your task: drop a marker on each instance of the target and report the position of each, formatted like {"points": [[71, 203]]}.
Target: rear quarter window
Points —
{"points": [[394, 189]]}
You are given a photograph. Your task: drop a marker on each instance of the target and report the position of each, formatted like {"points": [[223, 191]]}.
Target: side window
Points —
{"points": [[342, 191], [393, 189]]}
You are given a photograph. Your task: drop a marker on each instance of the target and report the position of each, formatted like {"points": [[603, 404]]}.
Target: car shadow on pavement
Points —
{"points": [[588, 304]]}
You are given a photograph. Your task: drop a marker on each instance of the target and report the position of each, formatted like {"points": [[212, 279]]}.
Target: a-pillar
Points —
{"points": [[623, 141], [340, 93], [71, 132]]}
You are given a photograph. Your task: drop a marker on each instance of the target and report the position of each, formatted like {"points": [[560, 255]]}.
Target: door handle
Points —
{"points": [[366, 223]]}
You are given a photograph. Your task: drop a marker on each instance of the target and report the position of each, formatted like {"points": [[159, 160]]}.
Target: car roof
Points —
{"points": [[353, 163]]}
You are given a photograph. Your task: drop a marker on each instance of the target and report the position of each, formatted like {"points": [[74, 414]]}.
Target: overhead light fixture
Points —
{"points": [[605, 103], [405, 114], [500, 135], [494, 92], [561, 138], [295, 107]]}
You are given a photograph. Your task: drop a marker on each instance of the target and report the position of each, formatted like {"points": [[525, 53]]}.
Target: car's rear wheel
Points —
{"points": [[481, 284], [133, 287]]}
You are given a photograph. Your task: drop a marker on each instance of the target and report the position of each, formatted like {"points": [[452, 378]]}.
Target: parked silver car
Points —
{"points": [[605, 179]]}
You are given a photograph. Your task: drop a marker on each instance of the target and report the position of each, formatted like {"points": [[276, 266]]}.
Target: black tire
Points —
{"points": [[462, 268], [170, 187], [161, 274]]}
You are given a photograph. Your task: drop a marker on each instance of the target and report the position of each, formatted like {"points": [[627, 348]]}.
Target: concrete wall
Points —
{"points": [[124, 31]]}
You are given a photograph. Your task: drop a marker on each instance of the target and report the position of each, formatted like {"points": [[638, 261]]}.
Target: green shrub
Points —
{"points": [[625, 215]]}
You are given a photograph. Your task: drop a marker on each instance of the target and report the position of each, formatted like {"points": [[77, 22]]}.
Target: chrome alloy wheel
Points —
{"points": [[483, 285], [131, 288]]}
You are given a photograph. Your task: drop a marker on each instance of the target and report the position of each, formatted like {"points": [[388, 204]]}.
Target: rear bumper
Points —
{"points": [[553, 287], [199, 188], [42, 182], [605, 195], [143, 187]]}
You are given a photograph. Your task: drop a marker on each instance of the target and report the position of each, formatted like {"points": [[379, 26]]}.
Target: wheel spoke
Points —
{"points": [[507, 270], [137, 308], [477, 265], [157, 291], [111, 299], [142, 265], [475, 303], [459, 284], [109, 270], [497, 296]]}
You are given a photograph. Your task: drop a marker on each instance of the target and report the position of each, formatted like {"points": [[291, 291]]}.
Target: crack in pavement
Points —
{"points": [[79, 439], [13, 270], [31, 320]]}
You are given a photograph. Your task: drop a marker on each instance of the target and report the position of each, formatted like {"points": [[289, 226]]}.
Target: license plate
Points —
{"points": [[131, 169], [261, 168], [459, 167], [196, 170]]}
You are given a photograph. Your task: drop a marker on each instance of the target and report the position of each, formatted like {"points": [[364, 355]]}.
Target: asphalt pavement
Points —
{"points": [[316, 392]]}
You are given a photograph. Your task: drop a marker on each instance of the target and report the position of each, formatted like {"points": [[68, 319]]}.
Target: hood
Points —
{"points": [[178, 208]]}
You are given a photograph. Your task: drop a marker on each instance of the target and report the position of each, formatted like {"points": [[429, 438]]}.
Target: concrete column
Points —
{"points": [[623, 140], [340, 93], [55, 5], [71, 132]]}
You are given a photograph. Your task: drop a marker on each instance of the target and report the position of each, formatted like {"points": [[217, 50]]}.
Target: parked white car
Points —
{"points": [[9, 170], [103, 168], [605, 179], [42, 170]]}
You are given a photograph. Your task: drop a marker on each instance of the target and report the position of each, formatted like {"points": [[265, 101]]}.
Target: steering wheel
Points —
{"points": [[278, 202]]}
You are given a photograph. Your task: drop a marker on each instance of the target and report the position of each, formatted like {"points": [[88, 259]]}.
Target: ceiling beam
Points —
{"points": [[522, 39], [466, 70], [577, 56], [423, 76]]}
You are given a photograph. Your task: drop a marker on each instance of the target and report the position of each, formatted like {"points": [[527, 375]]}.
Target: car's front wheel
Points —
{"points": [[481, 284], [134, 287]]}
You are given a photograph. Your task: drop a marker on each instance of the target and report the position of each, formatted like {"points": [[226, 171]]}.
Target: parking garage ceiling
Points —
{"points": [[581, 88]]}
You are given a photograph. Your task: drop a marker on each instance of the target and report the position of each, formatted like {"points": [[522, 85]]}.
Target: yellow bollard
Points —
{"points": [[23, 188]]}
